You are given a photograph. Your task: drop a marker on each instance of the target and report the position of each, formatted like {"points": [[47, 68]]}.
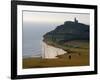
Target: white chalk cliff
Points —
{"points": [[50, 52]]}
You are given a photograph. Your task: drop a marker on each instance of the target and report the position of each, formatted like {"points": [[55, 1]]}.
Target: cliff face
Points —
{"points": [[50, 51]]}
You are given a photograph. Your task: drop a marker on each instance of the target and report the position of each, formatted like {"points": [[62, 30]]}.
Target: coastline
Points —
{"points": [[79, 57]]}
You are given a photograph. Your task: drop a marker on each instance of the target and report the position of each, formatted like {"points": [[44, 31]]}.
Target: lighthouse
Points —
{"points": [[75, 20]]}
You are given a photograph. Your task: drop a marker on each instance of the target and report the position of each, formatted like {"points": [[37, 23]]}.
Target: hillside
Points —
{"points": [[68, 31]]}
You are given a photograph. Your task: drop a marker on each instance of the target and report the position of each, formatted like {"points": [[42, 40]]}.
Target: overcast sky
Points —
{"points": [[51, 17]]}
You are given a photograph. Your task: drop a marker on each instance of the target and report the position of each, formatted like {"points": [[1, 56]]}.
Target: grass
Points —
{"points": [[76, 56]]}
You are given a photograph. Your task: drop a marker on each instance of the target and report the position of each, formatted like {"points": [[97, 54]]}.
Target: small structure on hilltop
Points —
{"points": [[75, 20]]}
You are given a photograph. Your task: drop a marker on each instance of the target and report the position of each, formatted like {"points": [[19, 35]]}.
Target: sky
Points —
{"points": [[54, 17]]}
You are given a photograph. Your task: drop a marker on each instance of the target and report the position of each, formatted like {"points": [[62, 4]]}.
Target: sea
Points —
{"points": [[32, 36]]}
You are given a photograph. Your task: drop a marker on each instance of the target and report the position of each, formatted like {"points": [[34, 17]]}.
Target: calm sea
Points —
{"points": [[32, 36]]}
